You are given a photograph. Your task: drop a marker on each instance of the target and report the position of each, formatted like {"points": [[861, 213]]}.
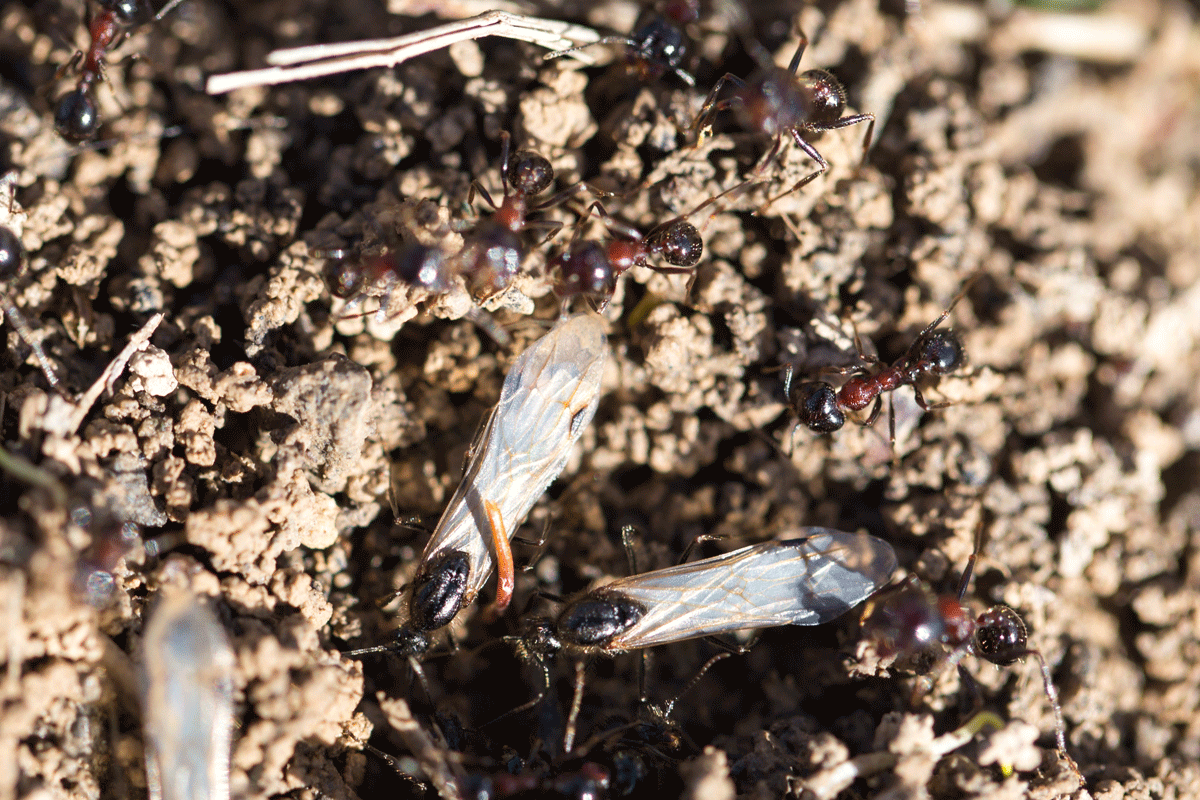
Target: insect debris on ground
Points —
{"points": [[12, 264]]}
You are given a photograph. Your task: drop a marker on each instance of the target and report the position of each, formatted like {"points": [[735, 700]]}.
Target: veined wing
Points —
{"points": [[795, 582], [187, 693], [549, 397]]}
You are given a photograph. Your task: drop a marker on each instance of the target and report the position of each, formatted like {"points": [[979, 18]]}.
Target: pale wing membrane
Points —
{"points": [[795, 582], [549, 397], [187, 692]]}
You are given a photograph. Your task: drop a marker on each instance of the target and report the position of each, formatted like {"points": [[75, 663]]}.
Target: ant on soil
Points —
{"points": [[778, 102], [492, 256], [592, 268], [933, 353], [657, 45], [77, 118], [11, 264], [910, 619]]}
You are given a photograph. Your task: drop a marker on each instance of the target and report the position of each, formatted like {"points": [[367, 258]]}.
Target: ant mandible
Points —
{"points": [[779, 102], [592, 268], [76, 119], [934, 353]]}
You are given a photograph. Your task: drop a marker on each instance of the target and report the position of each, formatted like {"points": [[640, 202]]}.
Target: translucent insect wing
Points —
{"points": [[549, 397], [187, 694], [805, 581]]}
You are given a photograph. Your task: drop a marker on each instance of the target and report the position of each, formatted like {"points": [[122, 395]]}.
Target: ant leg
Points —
{"points": [[477, 187], [505, 573], [670, 704], [874, 415], [567, 194], [811, 152], [573, 716], [552, 228], [795, 63], [21, 325], [625, 40], [505, 152], [927, 406], [701, 539], [711, 107], [846, 122], [487, 323], [166, 9], [627, 542], [969, 569]]}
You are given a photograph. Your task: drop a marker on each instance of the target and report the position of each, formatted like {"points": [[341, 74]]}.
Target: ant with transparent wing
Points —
{"points": [[76, 119], [933, 353], [779, 102]]}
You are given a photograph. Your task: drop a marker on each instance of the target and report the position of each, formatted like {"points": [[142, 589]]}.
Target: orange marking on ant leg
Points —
{"points": [[505, 573]]}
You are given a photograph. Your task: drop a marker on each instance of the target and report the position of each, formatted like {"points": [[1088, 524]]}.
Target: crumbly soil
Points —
{"points": [[286, 461]]}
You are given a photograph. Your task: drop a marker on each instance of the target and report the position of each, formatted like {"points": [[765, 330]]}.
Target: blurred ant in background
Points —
{"points": [[77, 119]]}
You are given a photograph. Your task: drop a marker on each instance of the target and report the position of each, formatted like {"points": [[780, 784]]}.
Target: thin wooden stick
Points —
{"points": [[315, 61]]}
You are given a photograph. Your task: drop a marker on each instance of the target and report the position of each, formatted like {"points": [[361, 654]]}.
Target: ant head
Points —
{"points": [[125, 11], [679, 243], [585, 269], [1000, 636], [529, 173], [941, 352], [825, 95], [540, 638], [410, 643], [76, 118], [10, 254], [815, 403], [656, 48]]}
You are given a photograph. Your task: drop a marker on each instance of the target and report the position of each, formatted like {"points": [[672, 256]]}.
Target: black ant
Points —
{"points": [[911, 618], [657, 45], [934, 353], [77, 117], [779, 102], [592, 268], [11, 264]]}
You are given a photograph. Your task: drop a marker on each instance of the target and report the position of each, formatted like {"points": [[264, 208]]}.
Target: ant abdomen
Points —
{"points": [[816, 404], [77, 118]]}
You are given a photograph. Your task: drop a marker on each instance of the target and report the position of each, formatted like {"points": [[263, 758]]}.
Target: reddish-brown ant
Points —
{"points": [[778, 102], [934, 353], [657, 45], [493, 253], [77, 118], [911, 618], [592, 268]]}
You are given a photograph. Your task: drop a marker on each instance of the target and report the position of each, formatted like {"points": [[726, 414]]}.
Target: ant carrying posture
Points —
{"points": [[778, 102], [934, 353], [592, 268], [77, 118]]}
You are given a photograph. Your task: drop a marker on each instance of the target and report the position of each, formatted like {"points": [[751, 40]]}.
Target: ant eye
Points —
{"points": [[76, 119], [530, 173], [826, 94], [815, 403], [1000, 636], [943, 352], [679, 243]]}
